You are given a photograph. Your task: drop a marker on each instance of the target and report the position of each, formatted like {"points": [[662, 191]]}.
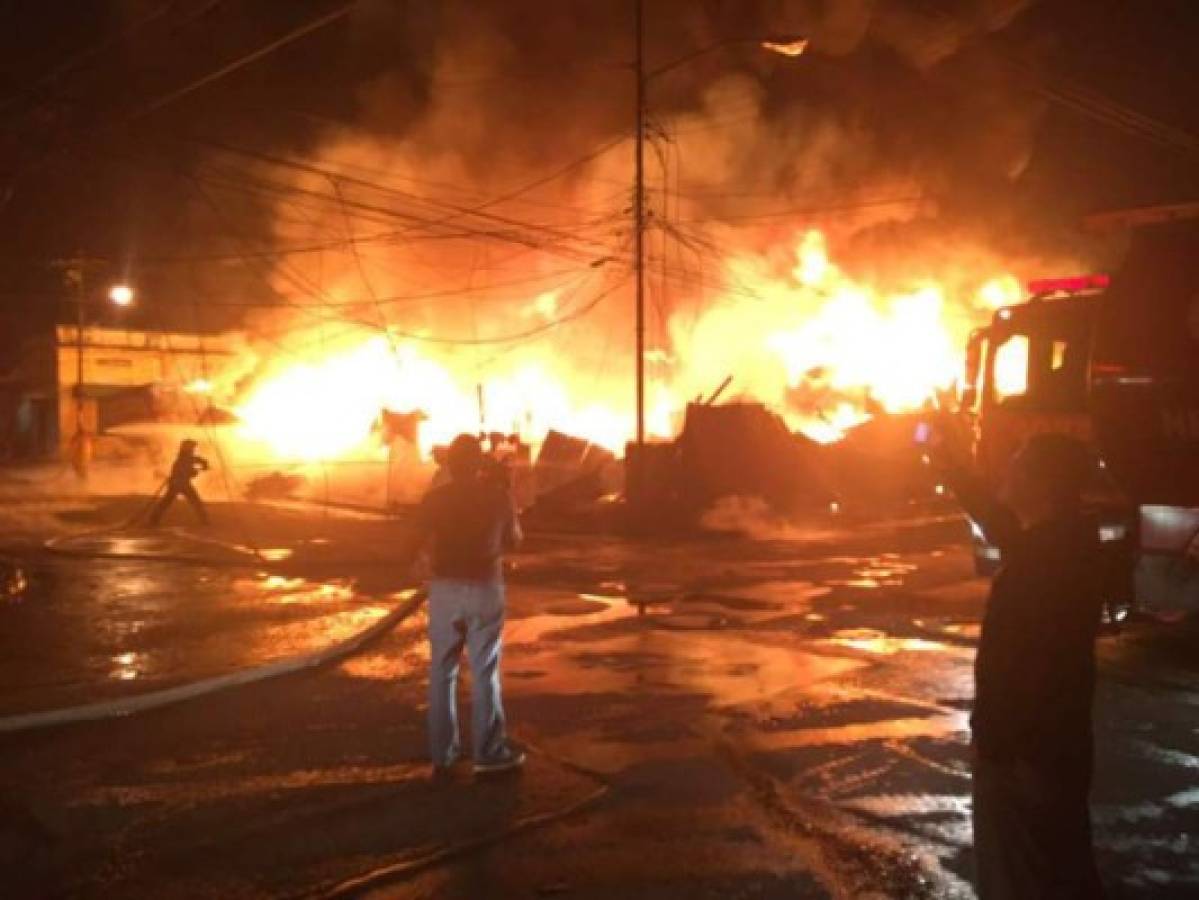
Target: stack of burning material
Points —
{"points": [[878, 465], [571, 472], [744, 450]]}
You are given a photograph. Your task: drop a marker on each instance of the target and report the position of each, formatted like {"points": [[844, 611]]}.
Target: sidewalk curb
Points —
{"points": [[128, 706]]}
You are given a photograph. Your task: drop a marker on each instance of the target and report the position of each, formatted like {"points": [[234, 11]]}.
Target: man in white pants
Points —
{"points": [[470, 522]]}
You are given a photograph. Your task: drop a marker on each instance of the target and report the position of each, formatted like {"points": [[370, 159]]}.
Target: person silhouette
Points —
{"points": [[1032, 737], [187, 465]]}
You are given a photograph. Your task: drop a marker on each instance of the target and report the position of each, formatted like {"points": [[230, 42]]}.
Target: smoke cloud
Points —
{"points": [[479, 187]]}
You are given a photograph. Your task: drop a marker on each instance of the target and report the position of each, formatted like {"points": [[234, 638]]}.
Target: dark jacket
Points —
{"points": [[471, 523], [1035, 668], [186, 467]]}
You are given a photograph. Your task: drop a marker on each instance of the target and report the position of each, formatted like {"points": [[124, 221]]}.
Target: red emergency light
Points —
{"points": [[1073, 284]]}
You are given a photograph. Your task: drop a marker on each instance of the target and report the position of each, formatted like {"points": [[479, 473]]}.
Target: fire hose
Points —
{"points": [[60, 544]]}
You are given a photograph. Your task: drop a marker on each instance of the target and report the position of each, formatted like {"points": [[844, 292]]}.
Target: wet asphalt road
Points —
{"points": [[711, 718]]}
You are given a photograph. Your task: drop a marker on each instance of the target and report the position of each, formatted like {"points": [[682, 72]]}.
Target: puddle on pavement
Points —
{"points": [[135, 623], [892, 806], [934, 726], [404, 652], [957, 629], [888, 570], [311, 634], [272, 554], [285, 590], [566, 611], [582, 605], [128, 666], [167, 544], [1167, 756], [690, 621], [709, 659], [870, 640], [738, 602], [13, 582], [785, 593]]}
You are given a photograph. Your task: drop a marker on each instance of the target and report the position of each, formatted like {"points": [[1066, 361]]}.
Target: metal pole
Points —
{"points": [[639, 248], [80, 294]]}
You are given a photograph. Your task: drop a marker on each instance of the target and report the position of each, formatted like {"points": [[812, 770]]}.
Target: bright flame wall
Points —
{"points": [[822, 348]]}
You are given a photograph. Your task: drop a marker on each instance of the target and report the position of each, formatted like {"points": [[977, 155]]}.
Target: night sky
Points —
{"points": [[1016, 117]]}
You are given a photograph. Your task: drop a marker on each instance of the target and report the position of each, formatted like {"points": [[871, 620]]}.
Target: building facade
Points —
{"points": [[70, 387]]}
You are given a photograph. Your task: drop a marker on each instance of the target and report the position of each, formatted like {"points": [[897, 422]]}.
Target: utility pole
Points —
{"points": [[787, 45], [74, 272], [79, 276], [635, 481]]}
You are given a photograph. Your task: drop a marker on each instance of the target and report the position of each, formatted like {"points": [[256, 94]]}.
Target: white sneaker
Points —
{"points": [[512, 759]]}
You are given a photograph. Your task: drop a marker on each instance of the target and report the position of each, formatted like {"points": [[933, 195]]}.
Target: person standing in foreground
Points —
{"points": [[188, 464], [1034, 673], [470, 521]]}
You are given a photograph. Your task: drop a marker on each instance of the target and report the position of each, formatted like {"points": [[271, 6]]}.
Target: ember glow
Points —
{"points": [[822, 349]]}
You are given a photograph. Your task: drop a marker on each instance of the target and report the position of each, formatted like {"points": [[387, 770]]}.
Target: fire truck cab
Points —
{"points": [[1116, 364]]}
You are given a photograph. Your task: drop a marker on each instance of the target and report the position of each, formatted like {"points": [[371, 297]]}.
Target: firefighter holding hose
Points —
{"points": [[188, 464]]}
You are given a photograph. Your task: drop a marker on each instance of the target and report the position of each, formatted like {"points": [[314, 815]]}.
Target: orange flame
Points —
{"points": [[813, 343]]}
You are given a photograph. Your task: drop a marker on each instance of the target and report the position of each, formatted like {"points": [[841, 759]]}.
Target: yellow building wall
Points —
{"points": [[122, 358]]}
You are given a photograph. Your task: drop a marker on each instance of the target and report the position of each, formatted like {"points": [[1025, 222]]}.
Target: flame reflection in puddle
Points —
{"points": [[128, 666], [869, 640], [13, 582], [887, 570]]}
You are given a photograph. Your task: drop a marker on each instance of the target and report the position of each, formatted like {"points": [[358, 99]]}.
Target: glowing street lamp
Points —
{"points": [[121, 294]]}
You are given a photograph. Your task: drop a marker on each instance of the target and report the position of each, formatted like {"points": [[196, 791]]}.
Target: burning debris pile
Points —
{"points": [[811, 351]]}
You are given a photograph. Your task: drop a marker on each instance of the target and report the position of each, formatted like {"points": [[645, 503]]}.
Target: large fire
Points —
{"points": [[824, 350]]}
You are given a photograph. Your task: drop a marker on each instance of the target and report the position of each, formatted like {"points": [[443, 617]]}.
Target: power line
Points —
{"points": [[811, 210], [75, 59], [479, 211], [388, 213], [241, 62], [515, 337], [415, 221]]}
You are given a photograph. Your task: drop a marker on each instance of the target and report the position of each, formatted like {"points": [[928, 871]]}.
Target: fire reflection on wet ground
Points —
{"points": [[764, 725], [871, 640], [13, 581], [846, 681], [77, 630]]}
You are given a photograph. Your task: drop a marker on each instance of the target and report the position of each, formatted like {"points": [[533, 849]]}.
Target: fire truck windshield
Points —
{"points": [[1041, 364], [1010, 370]]}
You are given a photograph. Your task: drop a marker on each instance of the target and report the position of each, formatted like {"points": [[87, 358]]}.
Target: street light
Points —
{"points": [[786, 45], [121, 294]]}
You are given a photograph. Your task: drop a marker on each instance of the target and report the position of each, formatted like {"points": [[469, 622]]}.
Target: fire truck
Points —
{"points": [[1115, 362]]}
